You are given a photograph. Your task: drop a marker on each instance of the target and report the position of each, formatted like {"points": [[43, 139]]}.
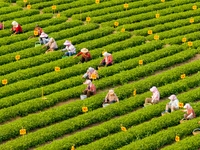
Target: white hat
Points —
{"points": [[172, 97], [67, 42], [187, 105], [111, 91], [153, 89], [106, 54], [14, 23], [43, 35], [87, 82], [84, 50], [90, 69]]}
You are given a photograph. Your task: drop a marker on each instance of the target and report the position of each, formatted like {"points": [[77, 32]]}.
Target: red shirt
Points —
{"points": [[84, 55], [92, 88], [109, 59], [189, 111], [17, 29]]}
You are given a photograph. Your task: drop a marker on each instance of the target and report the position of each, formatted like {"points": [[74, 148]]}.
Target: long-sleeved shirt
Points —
{"points": [[111, 97], [84, 55], [174, 103], [70, 48], [52, 44], [17, 29], [108, 59], [155, 96], [190, 112], [91, 87]]}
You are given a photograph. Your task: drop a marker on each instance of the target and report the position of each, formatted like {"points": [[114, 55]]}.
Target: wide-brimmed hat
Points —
{"points": [[84, 50], [43, 35], [187, 105], [106, 54], [111, 91], [172, 97], [14, 23], [67, 43], [87, 82], [153, 89]]}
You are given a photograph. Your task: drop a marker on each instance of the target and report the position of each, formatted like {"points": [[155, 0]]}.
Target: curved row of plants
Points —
{"points": [[63, 63], [141, 133], [191, 142], [72, 5], [19, 14], [30, 28], [63, 83], [174, 32], [139, 20], [155, 21], [30, 52], [11, 100], [119, 109], [166, 26], [31, 43], [123, 108], [102, 8], [5, 10], [37, 60], [129, 16], [134, 8], [167, 136], [24, 21], [133, 74]]}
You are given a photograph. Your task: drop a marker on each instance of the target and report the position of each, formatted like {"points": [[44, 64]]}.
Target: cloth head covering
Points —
{"points": [[106, 54], [67, 43], [187, 106], [90, 69], [43, 35], [153, 89], [14, 23], [111, 91], [84, 50], [172, 97], [87, 82]]}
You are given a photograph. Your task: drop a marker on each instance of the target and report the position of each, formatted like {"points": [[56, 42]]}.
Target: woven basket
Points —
{"points": [[196, 131]]}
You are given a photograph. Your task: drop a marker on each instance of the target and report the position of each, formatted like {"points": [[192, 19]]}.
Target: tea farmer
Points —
{"points": [[173, 104], [107, 60], [16, 28], [85, 55], [189, 112], [90, 72], [51, 45], [90, 89], [110, 98], [154, 98], [69, 48], [43, 39]]}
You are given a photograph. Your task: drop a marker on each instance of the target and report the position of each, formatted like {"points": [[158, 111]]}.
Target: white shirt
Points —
{"points": [[174, 103], [70, 48]]}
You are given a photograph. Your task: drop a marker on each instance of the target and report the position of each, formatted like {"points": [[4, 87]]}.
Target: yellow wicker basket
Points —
{"points": [[196, 131]]}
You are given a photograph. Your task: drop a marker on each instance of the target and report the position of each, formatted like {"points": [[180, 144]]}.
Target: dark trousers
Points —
{"points": [[103, 63], [88, 93], [85, 59]]}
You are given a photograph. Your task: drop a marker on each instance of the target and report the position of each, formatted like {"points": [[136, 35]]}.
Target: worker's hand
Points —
{"points": [[75, 56], [43, 46]]}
